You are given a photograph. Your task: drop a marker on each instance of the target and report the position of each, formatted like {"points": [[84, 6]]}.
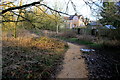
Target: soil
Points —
{"points": [[103, 64], [73, 65]]}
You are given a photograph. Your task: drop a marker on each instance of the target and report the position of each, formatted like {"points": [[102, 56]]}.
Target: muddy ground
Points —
{"points": [[104, 63]]}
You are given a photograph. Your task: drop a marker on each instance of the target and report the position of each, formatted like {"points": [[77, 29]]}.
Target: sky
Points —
{"points": [[81, 7]]}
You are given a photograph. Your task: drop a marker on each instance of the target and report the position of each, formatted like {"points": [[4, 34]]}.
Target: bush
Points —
{"points": [[27, 58], [68, 34], [115, 34], [49, 44]]}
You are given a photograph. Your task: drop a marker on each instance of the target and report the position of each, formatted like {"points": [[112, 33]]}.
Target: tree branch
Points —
{"points": [[24, 18], [53, 9], [27, 5], [45, 13], [11, 21], [19, 7]]}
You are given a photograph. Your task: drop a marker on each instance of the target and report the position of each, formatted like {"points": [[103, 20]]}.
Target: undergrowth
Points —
{"points": [[26, 58]]}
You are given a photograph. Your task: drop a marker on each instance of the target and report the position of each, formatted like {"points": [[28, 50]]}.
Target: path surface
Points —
{"points": [[73, 64]]}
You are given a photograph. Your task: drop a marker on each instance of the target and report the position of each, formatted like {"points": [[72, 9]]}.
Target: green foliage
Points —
{"points": [[10, 25], [110, 14], [35, 19], [75, 40], [42, 21]]}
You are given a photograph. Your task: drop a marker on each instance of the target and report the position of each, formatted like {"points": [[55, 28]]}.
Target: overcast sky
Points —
{"points": [[81, 7]]}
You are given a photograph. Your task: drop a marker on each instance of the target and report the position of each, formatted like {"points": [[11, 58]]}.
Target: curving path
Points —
{"points": [[73, 64]]}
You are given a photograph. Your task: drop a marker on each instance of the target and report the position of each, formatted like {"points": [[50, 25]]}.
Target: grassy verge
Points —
{"points": [[30, 59], [74, 40], [81, 42]]}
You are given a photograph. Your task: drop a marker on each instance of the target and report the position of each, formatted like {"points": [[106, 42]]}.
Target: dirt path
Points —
{"points": [[73, 66]]}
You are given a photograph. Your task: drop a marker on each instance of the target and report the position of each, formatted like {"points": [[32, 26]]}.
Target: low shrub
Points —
{"points": [[68, 34], [27, 58]]}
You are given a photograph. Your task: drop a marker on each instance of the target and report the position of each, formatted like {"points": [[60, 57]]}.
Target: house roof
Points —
{"points": [[71, 17]]}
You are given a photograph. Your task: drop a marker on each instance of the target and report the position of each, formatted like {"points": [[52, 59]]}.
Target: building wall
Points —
{"points": [[79, 23]]}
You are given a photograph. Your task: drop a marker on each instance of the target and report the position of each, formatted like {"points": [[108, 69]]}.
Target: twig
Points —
{"points": [[11, 21], [28, 5], [117, 69], [24, 18]]}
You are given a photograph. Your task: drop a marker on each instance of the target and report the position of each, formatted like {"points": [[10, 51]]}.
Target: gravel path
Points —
{"points": [[73, 65]]}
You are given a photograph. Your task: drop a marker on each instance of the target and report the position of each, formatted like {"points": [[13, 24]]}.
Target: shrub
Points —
{"points": [[27, 58], [68, 34]]}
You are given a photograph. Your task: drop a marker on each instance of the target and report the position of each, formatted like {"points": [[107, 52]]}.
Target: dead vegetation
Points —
{"points": [[28, 58]]}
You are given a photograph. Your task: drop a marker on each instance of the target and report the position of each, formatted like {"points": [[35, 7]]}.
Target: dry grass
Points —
{"points": [[28, 58], [19, 41], [86, 37], [68, 34], [44, 43], [49, 44], [112, 43]]}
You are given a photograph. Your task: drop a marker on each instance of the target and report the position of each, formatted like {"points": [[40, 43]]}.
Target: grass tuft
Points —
{"points": [[27, 58]]}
